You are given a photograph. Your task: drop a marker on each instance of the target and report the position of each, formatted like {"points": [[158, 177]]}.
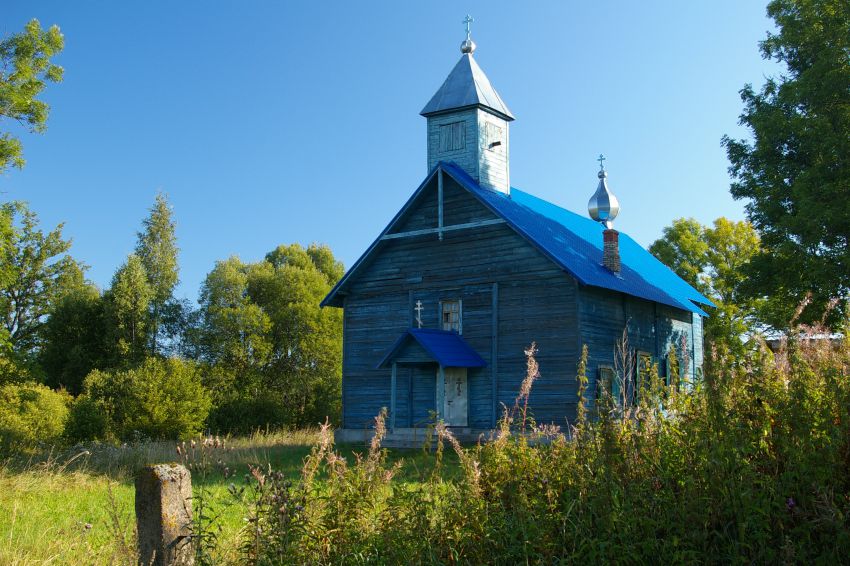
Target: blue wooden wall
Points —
{"points": [[505, 286]]}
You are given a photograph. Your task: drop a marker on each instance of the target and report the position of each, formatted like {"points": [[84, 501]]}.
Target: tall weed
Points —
{"points": [[748, 465]]}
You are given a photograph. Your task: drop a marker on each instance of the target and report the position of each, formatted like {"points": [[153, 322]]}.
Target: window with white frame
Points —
{"points": [[450, 316]]}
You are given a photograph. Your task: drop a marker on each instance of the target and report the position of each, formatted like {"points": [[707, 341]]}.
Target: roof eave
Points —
{"points": [[506, 117]]}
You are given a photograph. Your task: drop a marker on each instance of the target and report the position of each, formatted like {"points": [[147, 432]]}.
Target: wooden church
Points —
{"points": [[439, 309]]}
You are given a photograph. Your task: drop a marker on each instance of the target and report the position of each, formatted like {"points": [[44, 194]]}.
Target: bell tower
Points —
{"points": [[468, 123]]}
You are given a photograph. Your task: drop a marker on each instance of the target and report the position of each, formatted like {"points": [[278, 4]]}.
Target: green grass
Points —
{"points": [[77, 506]]}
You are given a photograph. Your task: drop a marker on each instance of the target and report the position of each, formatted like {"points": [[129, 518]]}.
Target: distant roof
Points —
{"points": [[448, 349], [571, 241], [466, 86]]}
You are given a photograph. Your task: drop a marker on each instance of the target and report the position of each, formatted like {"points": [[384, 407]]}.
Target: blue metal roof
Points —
{"points": [[572, 241], [448, 349], [575, 243]]}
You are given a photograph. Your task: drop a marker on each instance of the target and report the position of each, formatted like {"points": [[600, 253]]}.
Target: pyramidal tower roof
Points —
{"points": [[467, 86]]}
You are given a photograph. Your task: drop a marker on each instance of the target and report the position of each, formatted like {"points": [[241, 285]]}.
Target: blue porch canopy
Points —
{"points": [[448, 349]]}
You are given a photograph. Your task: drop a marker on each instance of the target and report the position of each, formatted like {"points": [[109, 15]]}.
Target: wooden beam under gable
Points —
{"points": [[440, 231], [334, 298]]}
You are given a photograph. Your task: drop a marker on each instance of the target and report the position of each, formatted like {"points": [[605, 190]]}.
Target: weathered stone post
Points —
{"points": [[164, 515]]}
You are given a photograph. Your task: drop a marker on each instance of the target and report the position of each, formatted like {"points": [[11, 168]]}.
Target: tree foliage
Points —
{"points": [[36, 271], [265, 336], [161, 398], [715, 261], [795, 171], [25, 69], [157, 249], [31, 414], [74, 339], [127, 303]]}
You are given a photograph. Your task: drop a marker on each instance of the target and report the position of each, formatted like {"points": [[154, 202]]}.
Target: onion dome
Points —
{"points": [[603, 206]]}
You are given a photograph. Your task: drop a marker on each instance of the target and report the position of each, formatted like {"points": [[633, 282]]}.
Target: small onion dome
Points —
{"points": [[467, 46], [603, 206]]}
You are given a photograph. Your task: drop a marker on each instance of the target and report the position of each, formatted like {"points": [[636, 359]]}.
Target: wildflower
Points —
{"points": [[258, 475], [790, 504]]}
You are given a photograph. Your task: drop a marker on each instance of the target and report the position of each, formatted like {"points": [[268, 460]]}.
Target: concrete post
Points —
{"points": [[164, 515]]}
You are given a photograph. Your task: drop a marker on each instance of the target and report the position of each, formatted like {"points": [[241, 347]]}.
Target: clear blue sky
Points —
{"points": [[272, 122]]}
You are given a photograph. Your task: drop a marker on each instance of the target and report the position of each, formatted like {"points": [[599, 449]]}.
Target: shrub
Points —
{"points": [[245, 415], [86, 421], [161, 399], [31, 414]]}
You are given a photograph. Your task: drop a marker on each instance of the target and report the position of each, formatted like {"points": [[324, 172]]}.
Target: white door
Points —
{"points": [[455, 400]]}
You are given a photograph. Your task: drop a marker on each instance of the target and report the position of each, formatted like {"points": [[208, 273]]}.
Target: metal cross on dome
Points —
{"points": [[468, 20], [600, 159], [418, 310]]}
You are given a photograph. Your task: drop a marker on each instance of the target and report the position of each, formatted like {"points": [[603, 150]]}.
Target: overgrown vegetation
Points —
{"points": [[162, 398], [748, 467]]}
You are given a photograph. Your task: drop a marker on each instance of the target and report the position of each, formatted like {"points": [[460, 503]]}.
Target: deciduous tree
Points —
{"points": [[307, 360], [25, 69], [235, 331], [157, 249], [127, 302], [74, 339], [35, 272], [795, 171], [715, 261], [264, 333]]}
